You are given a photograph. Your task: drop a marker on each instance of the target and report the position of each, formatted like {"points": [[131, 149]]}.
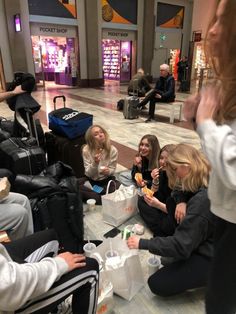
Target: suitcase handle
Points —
{"points": [[55, 100], [29, 114]]}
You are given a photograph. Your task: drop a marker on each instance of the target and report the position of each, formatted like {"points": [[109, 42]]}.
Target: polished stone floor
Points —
{"points": [[125, 134]]}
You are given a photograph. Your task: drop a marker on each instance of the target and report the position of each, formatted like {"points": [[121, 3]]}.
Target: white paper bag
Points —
{"points": [[127, 276], [105, 303], [119, 206]]}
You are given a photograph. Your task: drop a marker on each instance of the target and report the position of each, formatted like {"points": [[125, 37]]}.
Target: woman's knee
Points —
{"points": [[92, 264], [17, 198], [159, 286]]}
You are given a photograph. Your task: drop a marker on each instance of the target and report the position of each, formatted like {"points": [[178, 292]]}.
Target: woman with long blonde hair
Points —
{"points": [[100, 161], [214, 111], [189, 250]]}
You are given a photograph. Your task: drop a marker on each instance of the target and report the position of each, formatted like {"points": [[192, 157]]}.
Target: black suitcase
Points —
{"points": [[185, 83], [68, 151], [185, 86], [21, 156], [120, 104], [7, 130]]}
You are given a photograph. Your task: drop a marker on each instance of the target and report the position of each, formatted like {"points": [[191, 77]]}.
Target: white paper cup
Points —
{"points": [[110, 254], [88, 248], [91, 204], [154, 264]]}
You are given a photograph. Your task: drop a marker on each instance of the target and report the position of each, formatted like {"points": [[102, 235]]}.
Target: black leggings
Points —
{"points": [[160, 223], [221, 288], [180, 276], [81, 282]]}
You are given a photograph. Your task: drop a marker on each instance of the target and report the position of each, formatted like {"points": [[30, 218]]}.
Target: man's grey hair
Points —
{"points": [[165, 67]]}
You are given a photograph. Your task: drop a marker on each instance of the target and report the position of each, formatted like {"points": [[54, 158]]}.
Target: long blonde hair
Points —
{"points": [[199, 167], [224, 64], [91, 141]]}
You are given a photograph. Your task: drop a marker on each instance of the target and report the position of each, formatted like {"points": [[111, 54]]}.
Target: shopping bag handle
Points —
{"points": [[108, 185]]}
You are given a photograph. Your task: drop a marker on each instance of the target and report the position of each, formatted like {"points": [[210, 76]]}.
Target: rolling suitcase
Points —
{"points": [[67, 121], [130, 110], [23, 155], [185, 84], [65, 150]]}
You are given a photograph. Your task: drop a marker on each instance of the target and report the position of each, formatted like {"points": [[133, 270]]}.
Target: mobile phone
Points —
{"points": [[97, 188], [112, 233]]}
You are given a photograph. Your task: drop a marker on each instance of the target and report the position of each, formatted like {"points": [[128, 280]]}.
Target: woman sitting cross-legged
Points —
{"points": [[190, 248], [152, 209], [100, 161]]}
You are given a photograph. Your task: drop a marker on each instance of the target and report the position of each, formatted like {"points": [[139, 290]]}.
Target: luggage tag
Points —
{"points": [[97, 188]]}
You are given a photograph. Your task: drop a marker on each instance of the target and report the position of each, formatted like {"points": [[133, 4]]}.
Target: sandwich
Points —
{"points": [[147, 191]]}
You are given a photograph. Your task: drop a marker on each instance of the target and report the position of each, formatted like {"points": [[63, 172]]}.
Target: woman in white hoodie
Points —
{"points": [[34, 279], [214, 111]]}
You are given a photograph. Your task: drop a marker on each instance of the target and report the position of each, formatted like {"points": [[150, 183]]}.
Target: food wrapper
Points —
{"points": [[147, 191]]}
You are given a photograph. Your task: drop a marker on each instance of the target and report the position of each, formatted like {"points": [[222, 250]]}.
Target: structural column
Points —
{"points": [[148, 35], [93, 41]]}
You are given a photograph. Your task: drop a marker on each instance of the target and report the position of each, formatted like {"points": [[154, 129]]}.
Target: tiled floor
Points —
{"points": [[125, 135]]}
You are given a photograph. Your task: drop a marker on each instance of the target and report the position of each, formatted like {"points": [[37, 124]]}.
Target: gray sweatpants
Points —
{"points": [[15, 216]]}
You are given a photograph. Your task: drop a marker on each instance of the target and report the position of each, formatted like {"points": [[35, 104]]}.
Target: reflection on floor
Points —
{"points": [[125, 135]]}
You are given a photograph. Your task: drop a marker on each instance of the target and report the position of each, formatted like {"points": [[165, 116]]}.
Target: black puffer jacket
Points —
{"points": [[58, 177]]}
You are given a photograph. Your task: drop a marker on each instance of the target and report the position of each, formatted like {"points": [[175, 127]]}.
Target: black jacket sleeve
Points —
{"points": [[188, 235], [181, 196]]}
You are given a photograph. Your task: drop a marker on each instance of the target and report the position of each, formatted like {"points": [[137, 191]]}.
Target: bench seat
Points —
{"points": [[175, 107]]}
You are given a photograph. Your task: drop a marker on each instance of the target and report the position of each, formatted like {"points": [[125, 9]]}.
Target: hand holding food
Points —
{"points": [[104, 170], [138, 161], [156, 173], [147, 191], [98, 155], [139, 179], [5, 187]]}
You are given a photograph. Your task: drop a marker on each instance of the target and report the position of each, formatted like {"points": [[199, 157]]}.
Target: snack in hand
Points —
{"points": [[4, 187], [139, 178], [147, 191]]}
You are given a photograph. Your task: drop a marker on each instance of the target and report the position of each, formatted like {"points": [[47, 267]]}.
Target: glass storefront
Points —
{"points": [[116, 57]]}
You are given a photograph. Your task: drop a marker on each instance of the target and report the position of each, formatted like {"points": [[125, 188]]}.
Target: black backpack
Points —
{"points": [[120, 104], [62, 211]]}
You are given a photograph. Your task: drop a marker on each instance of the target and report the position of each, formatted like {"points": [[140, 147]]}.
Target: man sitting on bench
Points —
{"points": [[164, 91]]}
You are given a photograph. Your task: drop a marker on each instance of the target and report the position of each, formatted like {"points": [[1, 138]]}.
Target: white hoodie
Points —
{"points": [[219, 145], [22, 282]]}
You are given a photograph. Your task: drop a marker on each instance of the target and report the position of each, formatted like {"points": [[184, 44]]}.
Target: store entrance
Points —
{"points": [[55, 60], [116, 59]]}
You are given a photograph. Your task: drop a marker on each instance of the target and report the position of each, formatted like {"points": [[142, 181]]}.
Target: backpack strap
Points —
{"points": [[44, 215], [74, 214]]}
